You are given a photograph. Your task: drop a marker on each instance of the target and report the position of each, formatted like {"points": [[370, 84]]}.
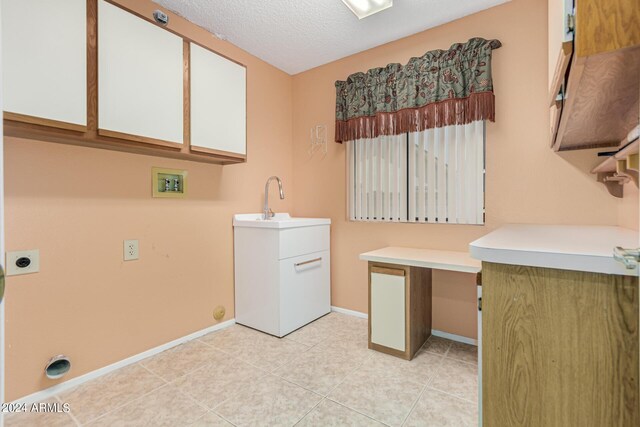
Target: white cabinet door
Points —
{"points": [[218, 102], [305, 290], [140, 77], [388, 310], [44, 59]]}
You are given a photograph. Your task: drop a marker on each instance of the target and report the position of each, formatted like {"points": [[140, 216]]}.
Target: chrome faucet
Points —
{"points": [[268, 213]]}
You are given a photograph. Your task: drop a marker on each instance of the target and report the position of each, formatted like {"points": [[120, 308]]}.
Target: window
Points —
{"points": [[433, 176]]}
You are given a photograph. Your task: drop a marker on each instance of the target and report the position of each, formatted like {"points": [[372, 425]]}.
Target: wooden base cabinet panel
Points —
{"points": [[559, 348], [399, 308]]}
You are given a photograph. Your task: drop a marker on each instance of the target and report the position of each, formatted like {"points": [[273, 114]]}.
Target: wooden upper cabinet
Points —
{"points": [[140, 79], [44, 62], [560, 41], [595, 86], [217, 103], [606, 25], [98, 74]]}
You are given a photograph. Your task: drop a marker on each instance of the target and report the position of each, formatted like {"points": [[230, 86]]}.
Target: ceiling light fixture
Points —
{"points": [[364, 8]]}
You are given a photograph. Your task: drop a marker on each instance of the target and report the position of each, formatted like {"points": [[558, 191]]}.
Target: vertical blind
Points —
{"points": [[378, 178], [432, 176]]}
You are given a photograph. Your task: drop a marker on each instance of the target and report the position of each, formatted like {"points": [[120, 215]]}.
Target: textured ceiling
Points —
{"points": [[296, 35]]}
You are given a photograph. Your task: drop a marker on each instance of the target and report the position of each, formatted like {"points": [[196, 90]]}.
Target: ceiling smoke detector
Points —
{"points": [[364, 8]]}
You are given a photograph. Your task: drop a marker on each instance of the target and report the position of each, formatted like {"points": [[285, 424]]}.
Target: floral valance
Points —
{"points": [[441, 88]]}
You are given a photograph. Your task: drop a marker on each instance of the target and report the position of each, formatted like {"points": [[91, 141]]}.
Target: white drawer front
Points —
{"points": [[388, 310], [305, 290], [303, 240]]}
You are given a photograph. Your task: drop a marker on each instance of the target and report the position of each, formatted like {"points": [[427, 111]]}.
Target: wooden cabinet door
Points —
{"points": [[140, 79], [559, 348], [388, 307], [44, 62], [218, 103]]}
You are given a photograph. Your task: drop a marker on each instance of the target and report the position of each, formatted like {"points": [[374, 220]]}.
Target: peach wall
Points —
{"points": [[526, 181], [629, 206], [77, 205]]}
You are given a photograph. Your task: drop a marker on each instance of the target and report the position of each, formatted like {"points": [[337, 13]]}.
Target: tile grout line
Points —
{"points": [[451, 395], [369, 356], [310, 410], [215, 413], [126, 404], [326, 396], [428, 385], [425, 386], [358, 412], [231, 395], [154, 374], [262, 373], [73, 418]]}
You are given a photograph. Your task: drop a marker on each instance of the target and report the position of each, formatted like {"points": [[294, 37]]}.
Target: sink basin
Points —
{"points": [[280, 220]]}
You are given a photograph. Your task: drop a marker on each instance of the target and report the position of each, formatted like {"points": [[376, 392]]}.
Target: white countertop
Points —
{"points": [[566, 247], [427, 258], [279, 220]]}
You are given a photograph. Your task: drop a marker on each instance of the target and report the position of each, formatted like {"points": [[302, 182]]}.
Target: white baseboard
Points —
{"points": [[349, 312], [434, 332], [74, 382], [453, 337]]}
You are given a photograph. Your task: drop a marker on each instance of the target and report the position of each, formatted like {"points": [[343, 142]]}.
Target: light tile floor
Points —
{"points": [[321, 375]]}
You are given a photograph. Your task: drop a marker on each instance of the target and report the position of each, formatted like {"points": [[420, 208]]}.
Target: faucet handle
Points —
{"points": [[271, 213]]}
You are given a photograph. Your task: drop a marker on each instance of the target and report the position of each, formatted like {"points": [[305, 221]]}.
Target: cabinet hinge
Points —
{"points": [[571, 22], [480, 304]]}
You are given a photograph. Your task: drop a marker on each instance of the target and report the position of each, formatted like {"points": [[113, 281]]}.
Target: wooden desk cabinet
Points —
{"points": [[559, 347], [399, 308]]}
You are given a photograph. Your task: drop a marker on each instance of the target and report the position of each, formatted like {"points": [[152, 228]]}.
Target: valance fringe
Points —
{"points": [[440, 88], [449, 112]]}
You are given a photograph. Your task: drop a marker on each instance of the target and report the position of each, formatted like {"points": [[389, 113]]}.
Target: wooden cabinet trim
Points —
{"points": [[92, 65], [138, 138], [418, 309], [562, 64], [64, 136], [186, 93], [389, 271], [220, 153], [24, 126], [25, 118]]}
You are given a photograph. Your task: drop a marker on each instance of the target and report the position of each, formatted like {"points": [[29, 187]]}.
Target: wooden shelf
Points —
{"points": [[621, 167], [91, 138]]}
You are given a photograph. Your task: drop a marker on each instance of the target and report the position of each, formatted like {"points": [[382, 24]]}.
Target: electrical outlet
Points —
{"points": [[131, 250], [23, 262]]}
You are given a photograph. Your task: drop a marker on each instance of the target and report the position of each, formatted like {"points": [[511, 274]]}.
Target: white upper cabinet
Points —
{"points": [[218, 102], [140, 78], [44, 60]]}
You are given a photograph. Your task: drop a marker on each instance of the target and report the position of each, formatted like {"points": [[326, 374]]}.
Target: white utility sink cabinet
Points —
{"points": [[282, 271]]}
